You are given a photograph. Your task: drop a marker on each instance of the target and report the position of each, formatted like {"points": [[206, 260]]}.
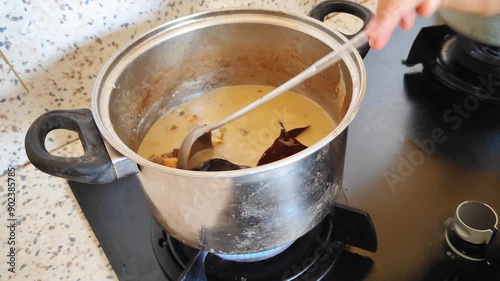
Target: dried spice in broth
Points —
{"points": [[217, 164], [285, 145]]}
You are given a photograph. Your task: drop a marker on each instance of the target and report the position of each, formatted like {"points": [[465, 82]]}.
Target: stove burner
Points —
{"points": [[466, 73], [464, 66], [481, 59], [311, 257], [255, 256], [492, 51], [293, 262]]}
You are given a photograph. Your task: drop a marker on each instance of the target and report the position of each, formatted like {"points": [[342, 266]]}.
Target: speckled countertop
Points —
{"points": [[52, 52]]}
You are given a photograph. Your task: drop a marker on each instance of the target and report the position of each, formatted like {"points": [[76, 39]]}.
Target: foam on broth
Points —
{"points": [[244, 140]]}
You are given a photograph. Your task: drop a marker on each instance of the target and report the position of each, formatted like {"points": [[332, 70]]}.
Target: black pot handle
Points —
{"points": [[94, 166], [325, 8]]}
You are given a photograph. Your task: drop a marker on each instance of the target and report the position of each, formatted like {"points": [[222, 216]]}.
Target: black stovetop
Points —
{"points": [[415, 152]]}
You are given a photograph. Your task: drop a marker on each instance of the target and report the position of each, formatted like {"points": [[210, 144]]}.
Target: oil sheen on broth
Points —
{"points": [[244, 140]]}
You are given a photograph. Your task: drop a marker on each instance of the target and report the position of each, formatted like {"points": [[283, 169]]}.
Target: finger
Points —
{"points": [[389, 15], [428, 7], [381, 36], [407, 20]]}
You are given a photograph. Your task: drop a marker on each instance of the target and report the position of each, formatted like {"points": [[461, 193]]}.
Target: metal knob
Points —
{"points": [[475, 222]]}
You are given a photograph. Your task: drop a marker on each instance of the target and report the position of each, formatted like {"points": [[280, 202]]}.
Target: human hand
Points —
{"points": [[390, 13]]}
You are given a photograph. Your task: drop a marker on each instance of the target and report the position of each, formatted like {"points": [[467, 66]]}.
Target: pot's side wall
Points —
{"points": [[481, 29], [251, 213]]}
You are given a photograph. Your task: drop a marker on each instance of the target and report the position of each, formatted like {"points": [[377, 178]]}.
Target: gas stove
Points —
{"points": [[423, 143]]}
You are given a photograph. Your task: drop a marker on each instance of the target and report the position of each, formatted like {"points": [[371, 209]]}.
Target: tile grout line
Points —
{"points": [[64, 145], [22, 166], [13, 70]]}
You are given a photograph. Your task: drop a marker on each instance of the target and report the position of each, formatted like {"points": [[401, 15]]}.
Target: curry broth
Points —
{"points": [[244, 140]]}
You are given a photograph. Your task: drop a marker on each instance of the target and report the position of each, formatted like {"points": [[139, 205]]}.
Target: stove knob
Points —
{"points": [[475, 222]]}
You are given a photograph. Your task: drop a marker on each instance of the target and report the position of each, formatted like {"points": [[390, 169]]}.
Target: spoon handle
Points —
{"points": [[328, 60]]}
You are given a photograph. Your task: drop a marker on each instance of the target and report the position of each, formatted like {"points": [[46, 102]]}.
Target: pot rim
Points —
{"points": [[110, 135]]}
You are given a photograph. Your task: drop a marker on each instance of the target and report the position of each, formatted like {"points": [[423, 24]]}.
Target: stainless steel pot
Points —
{"points": [[482, 29], [240, 212]]}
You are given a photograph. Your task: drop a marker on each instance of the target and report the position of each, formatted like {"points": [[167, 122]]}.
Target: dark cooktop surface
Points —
{"points": [[415, 152]]}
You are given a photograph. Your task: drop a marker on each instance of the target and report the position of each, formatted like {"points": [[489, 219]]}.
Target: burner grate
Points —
{"points": [[491, 51], [311, 257], [299, 260], [465, 67]]}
